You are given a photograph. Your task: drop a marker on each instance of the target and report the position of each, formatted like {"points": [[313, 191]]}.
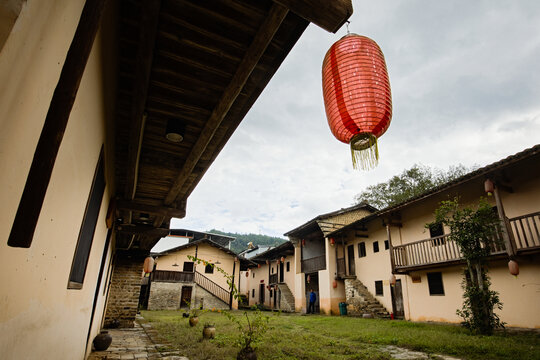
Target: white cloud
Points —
{"points": [[465, 89]]}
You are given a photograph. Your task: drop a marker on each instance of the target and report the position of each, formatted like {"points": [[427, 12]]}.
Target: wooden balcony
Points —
{"points": [[314, 264], [172, 276], [437, 251]]}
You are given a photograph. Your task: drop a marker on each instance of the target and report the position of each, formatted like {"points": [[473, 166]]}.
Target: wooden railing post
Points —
{"points": [[506, 230]]}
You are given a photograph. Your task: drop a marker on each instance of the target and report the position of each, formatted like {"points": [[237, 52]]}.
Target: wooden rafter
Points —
{"points": [[330, 15], [128, 205], [263, 37], [147, 39]]}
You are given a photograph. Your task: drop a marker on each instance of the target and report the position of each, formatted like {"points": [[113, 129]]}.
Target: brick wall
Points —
{"points": [[124, 291]]}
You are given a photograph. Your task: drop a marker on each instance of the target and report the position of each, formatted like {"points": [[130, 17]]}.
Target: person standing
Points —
{"points": [[312, 299]]}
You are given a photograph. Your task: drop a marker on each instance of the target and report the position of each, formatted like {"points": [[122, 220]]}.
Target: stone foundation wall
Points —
{"points": [[166, 296], [124, 291]]}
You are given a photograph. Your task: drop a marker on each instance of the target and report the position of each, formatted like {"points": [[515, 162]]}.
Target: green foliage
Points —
{"points": [[475, 231], [252, 331], [409, 183], [242, 240], [317, 337]]}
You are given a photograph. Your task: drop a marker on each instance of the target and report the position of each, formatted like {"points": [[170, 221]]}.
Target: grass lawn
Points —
{"points": [[332, 337]]}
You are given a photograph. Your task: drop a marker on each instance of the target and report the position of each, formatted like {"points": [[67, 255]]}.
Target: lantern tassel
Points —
{"points": [[364, 151]]}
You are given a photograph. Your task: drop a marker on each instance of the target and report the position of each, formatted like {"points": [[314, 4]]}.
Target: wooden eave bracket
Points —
{"points": [[143, 230], [327, 14]]}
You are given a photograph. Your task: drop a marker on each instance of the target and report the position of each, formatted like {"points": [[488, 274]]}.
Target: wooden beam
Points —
{"points": [[147, 230], [128, 205], [147, 38], [330, 15], [24, 225], [262, 39]]}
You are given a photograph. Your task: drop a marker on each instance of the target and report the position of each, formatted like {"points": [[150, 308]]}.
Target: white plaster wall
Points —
{"points": [[40, 317]]}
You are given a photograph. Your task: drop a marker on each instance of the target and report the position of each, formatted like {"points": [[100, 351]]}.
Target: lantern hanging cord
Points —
{"points": [[364, 151], [347, 24]]}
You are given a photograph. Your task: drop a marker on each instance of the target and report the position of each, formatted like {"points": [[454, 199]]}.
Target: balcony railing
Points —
{"points": [[526, 231], [314, 264], [442, 250], [172, 276]]}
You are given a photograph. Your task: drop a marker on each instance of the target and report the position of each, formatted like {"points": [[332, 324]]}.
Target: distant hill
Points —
{"points": [[242, 240]]}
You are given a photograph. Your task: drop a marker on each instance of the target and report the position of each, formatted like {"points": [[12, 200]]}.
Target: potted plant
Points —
{"points": [[209, 331], [194, 315]]}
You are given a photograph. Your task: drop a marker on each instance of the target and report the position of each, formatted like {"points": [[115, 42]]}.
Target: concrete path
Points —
{"points": [[140, 342]]}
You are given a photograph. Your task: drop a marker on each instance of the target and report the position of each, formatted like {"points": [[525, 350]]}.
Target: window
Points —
{"points": [[435, 230], [253, 275], [375, 246], [378, 288], [288, 266], [209, 269], [362, 249], [88, 227], [272, 270], [252, 293], [188, 266], [386, 245], [270, 293], [435, 283]]}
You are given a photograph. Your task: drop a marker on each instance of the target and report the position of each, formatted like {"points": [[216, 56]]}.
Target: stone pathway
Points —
{"points": [[140, 342]]}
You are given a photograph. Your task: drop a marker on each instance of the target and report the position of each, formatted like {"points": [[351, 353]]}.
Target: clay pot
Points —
{"points": [[194, 320], [209, 331], [247, 354], [102, 341]]}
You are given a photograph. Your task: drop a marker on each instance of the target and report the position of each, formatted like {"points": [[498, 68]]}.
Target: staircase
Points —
{"points": [[360, 301], [213, 288], [287, 298]]}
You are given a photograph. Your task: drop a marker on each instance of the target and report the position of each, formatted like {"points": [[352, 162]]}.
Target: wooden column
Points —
{"points": [[232, 285], [345, 265], [390, 248], [24, 225], [508, 235]]}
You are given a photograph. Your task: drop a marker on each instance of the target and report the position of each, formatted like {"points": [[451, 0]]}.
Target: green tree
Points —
{"points": [[475, 230], [409, 183], [242, 240]]}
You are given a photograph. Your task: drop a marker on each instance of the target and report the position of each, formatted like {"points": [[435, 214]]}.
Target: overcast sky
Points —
{"points": [[465, 84]]}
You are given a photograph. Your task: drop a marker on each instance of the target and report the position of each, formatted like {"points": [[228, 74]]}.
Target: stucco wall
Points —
{"points": [[39, 314]]}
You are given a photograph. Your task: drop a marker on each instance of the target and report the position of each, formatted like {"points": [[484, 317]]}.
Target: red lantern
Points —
{"points": [[489, 187], [513, 267], [282, 259], [393, 280], [247, 273], [334, 284], [303, 242], [148, 264], [357, 96], [332, 241], [259, 265], [308, 279]]}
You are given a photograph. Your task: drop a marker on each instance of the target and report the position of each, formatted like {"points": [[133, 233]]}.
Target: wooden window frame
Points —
{"points": [[375, 247], [386, 245], [188, 263], [435, 282], [88, 227], [379, 290], [362, 249]]}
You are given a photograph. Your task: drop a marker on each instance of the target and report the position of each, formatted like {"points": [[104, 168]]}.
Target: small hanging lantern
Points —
{"points": [[148, 264], [489, 187], [332, 241], [303, 242], [282, 259], [247, 273], [259, 266], [393, 280], [357, 96], [308, 279], [513, 267], [334, 284]]}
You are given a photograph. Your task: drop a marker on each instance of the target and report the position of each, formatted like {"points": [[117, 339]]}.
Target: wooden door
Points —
{"points": [[281, 278], [397, 300], [261, 294], [350, 255], [185, 298]]}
